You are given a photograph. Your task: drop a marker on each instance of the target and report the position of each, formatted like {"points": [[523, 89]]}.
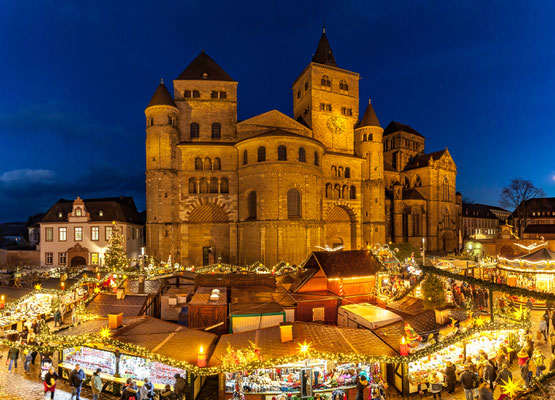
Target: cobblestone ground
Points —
{"points": [[18, 386]]}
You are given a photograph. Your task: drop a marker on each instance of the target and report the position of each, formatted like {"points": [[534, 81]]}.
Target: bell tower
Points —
{"points": [[325, 98]]}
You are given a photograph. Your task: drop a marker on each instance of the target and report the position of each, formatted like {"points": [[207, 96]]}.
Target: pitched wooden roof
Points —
{"points": [[344, 263]]}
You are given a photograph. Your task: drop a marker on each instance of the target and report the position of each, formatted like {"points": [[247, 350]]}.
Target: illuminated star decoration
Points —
{"points": [[105, 332], [304, 347], [519, 313], [38, 286], [479, 322], [510, 388]]}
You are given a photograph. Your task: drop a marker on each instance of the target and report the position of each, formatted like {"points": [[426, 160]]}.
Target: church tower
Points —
{"points": [[325, 97], [368, 140], [162, 137]]}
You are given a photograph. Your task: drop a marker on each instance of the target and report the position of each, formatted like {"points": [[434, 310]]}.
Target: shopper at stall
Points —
{"points": [[49, 382], [96, 384], [525, 373], [546, 318], [488, 374], [539, 361], [57, 318], [435, 384], [76, 378], [180, 388], [130, 392], [362, 383], [167, 393], [13, 355], [467, 381], [450, 377], [27, 362], [522, 356], [504, 375], [543, 327], [147, 390], [484, 392]]}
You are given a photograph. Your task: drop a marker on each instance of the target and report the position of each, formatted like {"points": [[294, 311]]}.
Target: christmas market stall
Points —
{"points": [[141, 343], [299, 360]]}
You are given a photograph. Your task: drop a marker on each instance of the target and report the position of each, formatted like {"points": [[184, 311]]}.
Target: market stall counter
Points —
{"points": [[154, 335]]}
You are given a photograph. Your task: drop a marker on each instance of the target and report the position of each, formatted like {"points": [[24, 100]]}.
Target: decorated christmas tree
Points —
{"points": [[433, 292], [116, 256]]}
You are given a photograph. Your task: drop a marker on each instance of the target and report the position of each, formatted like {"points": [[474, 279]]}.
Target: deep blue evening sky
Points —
{"points": [[476, 77]]}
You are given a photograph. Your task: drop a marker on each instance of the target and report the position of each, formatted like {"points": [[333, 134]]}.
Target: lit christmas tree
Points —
{"points": [[433, 292], [116, 256]]}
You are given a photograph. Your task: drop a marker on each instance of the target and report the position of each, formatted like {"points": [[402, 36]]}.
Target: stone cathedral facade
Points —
{"points": [[274, 188]]}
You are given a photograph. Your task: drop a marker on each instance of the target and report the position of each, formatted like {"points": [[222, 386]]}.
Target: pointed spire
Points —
{"points": [[369, 118], [323, 53], [204, 68], [161, 97]]}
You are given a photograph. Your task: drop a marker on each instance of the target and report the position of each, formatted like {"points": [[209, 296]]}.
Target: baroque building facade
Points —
{"points": [[273, 188]]}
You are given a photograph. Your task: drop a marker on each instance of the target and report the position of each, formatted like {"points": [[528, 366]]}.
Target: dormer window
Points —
{"points": [[101, 213], [187, 94], [223, 95], [214, 94], [78, 212], [60, 215], [205, 76], [196, 93]]}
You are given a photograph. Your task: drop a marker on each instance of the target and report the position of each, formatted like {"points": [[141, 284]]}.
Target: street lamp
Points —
{"points": [[423, 250]]}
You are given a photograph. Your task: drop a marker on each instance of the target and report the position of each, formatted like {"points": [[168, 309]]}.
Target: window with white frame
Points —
{"points": [[49, 258], [78, 233], [62, 234], [62, 258], [49, 234]]}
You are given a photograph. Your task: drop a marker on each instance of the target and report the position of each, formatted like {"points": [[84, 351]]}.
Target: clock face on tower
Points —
{"points": [[336, 125]]}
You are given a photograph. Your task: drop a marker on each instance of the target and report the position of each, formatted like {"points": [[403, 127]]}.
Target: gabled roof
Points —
{"points": [[120, 209], [201, 65], [344, 263], [397, 126], [540, 228], [369, 118], [323, 54], [412, 194], [422, 160], [161, 97], [388, 167], [543, 254], [477, 211]]}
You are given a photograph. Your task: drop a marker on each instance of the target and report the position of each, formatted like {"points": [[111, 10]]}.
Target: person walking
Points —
{"points": [[450, 377], [544, 326], [488, 374], [553, 319], [467, 382], [539, 361], [180, 387], [525, 373], [435, 384], [504, 375], [50, 383], [167, 394], [27, 363], [96, 384], [545, 317], [484, 392], [13, 355], [147, 390], [130, 392], [57, 318], [76, 378]]}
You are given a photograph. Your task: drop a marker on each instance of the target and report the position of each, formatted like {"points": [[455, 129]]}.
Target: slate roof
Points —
{"points": [[324, 338], [369, 118], [251, 308], [323, 54], [477, 211], [151, 286], [344, 263], [388, 167], [540, 228], [161, 97], [397, 126], [422, 160], [250, 294], [104, 304], [204, 64], [121, 209], [412, 194]]}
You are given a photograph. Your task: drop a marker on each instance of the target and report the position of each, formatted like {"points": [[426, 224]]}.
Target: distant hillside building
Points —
{"points": [[76, 232], [480, 221], [272, 187]]}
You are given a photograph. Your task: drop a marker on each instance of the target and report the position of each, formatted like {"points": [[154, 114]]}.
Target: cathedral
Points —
{"points": [[274, 188]]}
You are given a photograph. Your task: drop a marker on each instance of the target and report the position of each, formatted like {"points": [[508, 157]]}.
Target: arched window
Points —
{"points": [[194, 130], [224, 185], [293, 203], [203, 186], [417, 181], [337, 191], [406, 183], [302, 154], [245, 157], [192, 186], [216, 131], [328, 190], [196, 93], [343, 86], [261, 154], [415, 224], [214, 185], [364, 137], [282, 153], [345, 192], [316, 159], [187, 94], [217, 164], [198, 164], [325, 81], [353, 193], [339, 172], [214, 94], [334, 171], [347, 172], [207, 164], [251, 203], [223, 95]]}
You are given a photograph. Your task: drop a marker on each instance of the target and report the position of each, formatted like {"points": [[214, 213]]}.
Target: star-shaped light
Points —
{"points": [[519, 314], [105, 332], [479, 322], [304, 347], [510, 388], [38, 286]]}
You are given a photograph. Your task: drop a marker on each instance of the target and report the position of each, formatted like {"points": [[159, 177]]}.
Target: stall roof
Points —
{"points": [[373, 314], [151, 287], [250, 308], [202, 296], [262, 295], [165, 338], [104, 304], [13, 294], [324, 338], [55, 283], [344, 263], [539, 255]]}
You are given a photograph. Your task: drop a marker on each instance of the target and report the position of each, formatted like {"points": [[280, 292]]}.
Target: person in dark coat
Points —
{"points": [[545, 317], [180, 388], [76, 378], [362, 383], [504, 375], [467, 382], [489, 374], [525, 373], [167, 393], [49, 382], [450, 377], [13, 355], [130, 391], [484, 392]]}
